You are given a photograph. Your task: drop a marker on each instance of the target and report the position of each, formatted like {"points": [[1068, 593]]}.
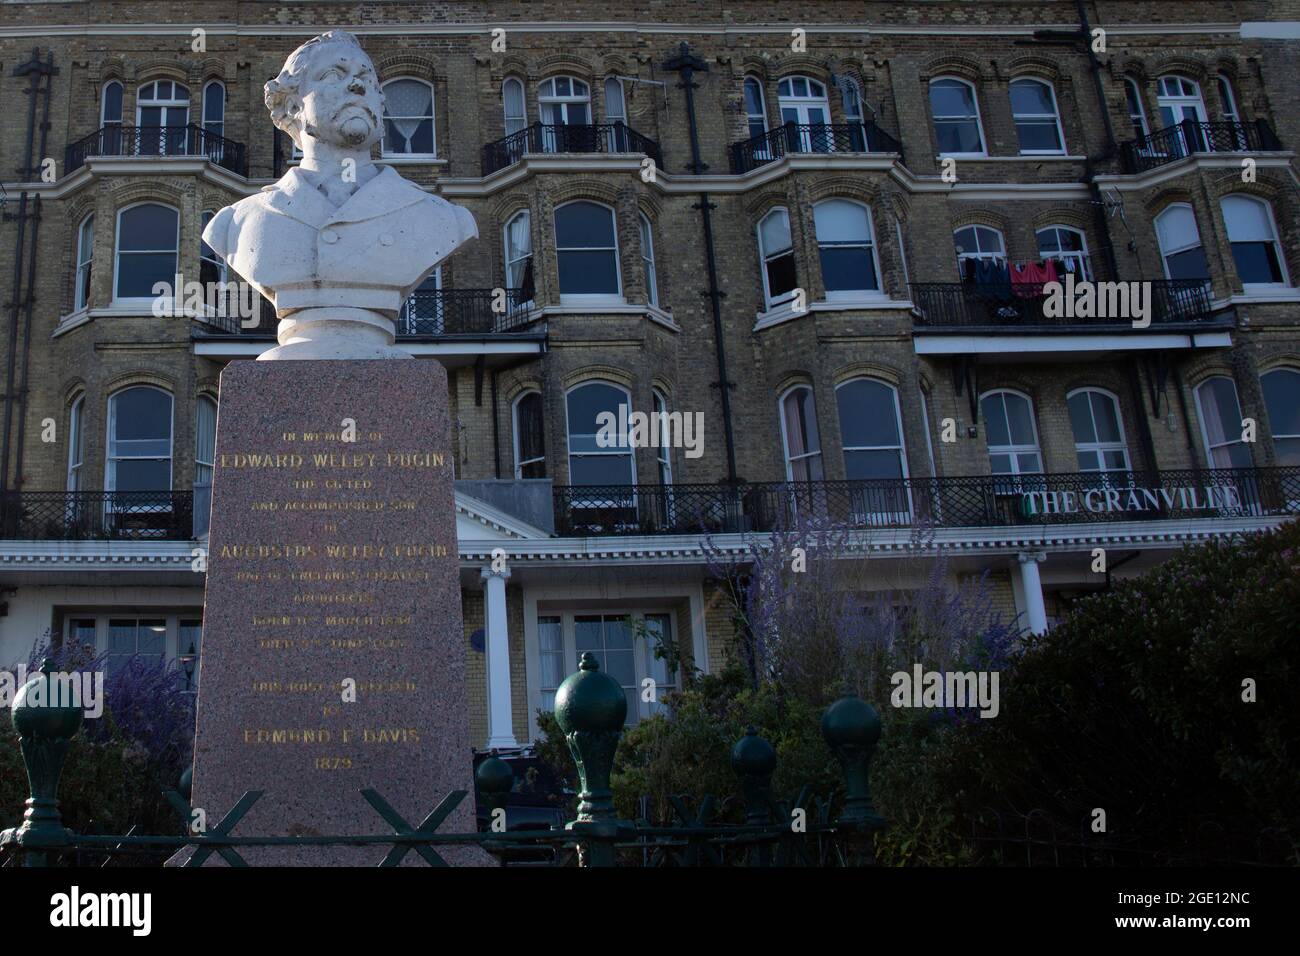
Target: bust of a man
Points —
{"points": [[339, 241]]}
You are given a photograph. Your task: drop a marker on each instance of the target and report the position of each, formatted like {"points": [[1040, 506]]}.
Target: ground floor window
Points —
{"points": [[623, 643], [124, 635]]}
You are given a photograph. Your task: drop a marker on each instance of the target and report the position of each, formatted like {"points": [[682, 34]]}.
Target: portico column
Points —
{"points": [[1031, 585], [500, 730]]}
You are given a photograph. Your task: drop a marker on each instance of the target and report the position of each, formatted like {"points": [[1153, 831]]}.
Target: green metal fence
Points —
{"points": [[590, 709]]}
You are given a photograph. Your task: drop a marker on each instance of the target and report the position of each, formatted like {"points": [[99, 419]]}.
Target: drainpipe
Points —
{"points": [[687, 64]]}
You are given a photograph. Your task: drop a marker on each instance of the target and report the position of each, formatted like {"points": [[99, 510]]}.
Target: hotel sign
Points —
{"points": [[1132, 499]]}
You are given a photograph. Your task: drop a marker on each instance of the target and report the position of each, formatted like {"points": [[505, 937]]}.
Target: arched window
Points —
{"points": [[1037, 118], [957, 127], [648, 262], [802, 101], [799, 435], [162, 111], [755, 110], [148, 235], [662, 424], [1253, 235], [110, 110], [76, 442], [615, 107], [212, 268], [1137, 114], [408, 118], [518, 236], [139, 441], [1067, 244], [565, 101], [85, 253], [1099, 443], [977, 243], [512, 105], [214, 108], [1220, 414], [1282, 399], [871, 430], [851, 100], [776, 250], [529, 428], [205, 440], [586, 245], [1180, 243], [1227, 100], [600, 450], [847, 248], [1011, 432], [1180, 102]]}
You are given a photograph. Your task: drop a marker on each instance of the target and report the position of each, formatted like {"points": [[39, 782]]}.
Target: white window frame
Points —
{"points": [[648, 261], [1227, 99], [863, 514], [621, 115], [200, 461], [110, 472], [520, 464], [664, 453], [85, 262], [764, 256], [176, 102], [629, 452], [76, 442], [1278, 435], [589, 298], [175, 250], [431, 117], [1083, 257], [801, 105], [979, 253], [511, 259], [1210, 447], [1276, 241], [1166, 253], [545, 99], [215, 126], [520, 120], [173, 617], [1039, 117], [785, 438], [1012, 451], [979, 121], [871, 245], [1101, 447], [103, 104], [1138, 120], [214, 259]]}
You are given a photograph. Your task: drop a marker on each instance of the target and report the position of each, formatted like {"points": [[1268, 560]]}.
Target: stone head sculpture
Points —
{"points": [[338, 242]]}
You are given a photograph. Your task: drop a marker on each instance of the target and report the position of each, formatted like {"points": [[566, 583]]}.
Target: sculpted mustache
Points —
{"points": [[362, 106]]}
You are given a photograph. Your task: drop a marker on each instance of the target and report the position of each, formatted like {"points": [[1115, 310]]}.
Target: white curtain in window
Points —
{"points": [[512, 98], [205, 441], [519, 237]]}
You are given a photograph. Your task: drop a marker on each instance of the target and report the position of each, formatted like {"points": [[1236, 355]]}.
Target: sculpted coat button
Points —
{"points": [[330, 236], [386, 239]]}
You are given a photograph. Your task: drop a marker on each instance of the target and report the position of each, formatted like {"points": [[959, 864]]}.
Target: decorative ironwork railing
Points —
{"points": [[1183, 139], [425, 313], [158, 141], [811, 138], [1013, 307], [93, 515], [567, 138], [964, 502]]}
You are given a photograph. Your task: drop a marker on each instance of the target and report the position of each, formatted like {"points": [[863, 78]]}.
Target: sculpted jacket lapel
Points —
{"points": [[292, 196], [386, 193]]}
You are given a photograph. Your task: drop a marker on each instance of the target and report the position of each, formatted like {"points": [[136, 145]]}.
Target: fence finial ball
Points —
{"points": [[494, 776], [589, 700], [44, 707], [752, 754], [851, 721]]}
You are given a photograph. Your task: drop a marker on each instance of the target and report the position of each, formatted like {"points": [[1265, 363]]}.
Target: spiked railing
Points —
{"points": [[91, 515], [158, 141], [567, 138], [1174, 142], [811, 138]]}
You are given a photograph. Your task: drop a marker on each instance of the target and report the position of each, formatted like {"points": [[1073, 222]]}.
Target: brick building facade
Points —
{"points": [[807, 222]]}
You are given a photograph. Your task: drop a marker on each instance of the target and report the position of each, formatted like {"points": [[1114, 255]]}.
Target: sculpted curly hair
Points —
{"points": [[278, 92]]}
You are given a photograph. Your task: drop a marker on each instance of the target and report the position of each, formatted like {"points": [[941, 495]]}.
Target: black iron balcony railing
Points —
{"points": [[1175, 142], [974, 502], [1021, 308], [425, 313], [567, 138], [96, 515], [159, 141], [811, 138]]}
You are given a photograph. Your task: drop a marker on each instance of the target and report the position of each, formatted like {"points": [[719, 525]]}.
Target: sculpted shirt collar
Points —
{"points": [[295, 197]]}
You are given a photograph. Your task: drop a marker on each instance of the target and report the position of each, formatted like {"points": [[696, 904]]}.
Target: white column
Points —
{"points": [[1031, 584], [500, 730]]}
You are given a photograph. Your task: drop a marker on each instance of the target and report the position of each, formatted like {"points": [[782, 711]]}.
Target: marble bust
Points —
{"points": [[339, 241]]}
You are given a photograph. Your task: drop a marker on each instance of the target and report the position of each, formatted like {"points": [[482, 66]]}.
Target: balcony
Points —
{"points": [[562, 138], [966, 502], [101, 515], [1188, 137], [1175, 304], [426, 314], [177, 141], [815, 138]]}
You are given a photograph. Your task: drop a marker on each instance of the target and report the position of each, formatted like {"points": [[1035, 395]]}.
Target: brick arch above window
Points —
{"points": [[598, 373], [1268, 187], [155, 377], [215, 68], [754, 66], [802, 64], [522, 387], [186, 73], [953, 64], [792, 379], [762, 202], [566, 64], [1194, 68], [128, 193], [1064, 216], [1162, 200], [1035, 66], [113, 68], [880, 373], [844, 187], [592, 190], [406, 63], [511, 65], [981, 217]]}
